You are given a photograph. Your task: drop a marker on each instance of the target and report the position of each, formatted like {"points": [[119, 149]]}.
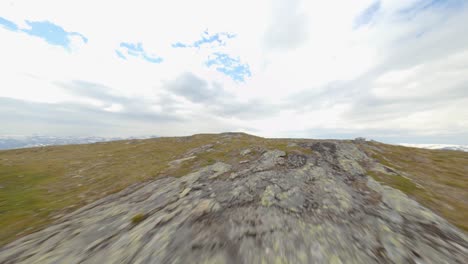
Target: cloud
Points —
{"points": [[416, 92], [194, 89], [102, 98], [249, 110], [48, 31], [93, 91], [69, 119], [216, 100], [136, 50], [288, 29], [408, 96]]}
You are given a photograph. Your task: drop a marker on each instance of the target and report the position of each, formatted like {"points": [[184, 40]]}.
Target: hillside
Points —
{"points": [[233, 198]]}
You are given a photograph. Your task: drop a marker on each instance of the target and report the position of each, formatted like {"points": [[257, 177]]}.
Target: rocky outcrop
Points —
{"points": [[282, 207]]}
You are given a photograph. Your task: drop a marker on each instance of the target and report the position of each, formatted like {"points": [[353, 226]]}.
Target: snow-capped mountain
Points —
{"points": [[438, 146], [20, 141]]}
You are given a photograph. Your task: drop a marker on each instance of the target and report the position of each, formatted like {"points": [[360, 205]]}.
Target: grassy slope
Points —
{"points": [[438, 179], [38, 184]]}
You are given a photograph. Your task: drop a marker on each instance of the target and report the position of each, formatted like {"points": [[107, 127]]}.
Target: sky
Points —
{"points": [[390, 70]]}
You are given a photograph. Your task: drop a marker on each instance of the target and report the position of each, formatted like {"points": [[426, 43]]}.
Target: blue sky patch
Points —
{"points": [[367, 15], [120, 55], [51, 33], [423, 5], [8, 24], [218, 39], [136, 50], [231, 67], [180, 45]]}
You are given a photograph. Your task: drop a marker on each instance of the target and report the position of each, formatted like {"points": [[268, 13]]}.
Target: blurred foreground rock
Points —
{"points": [[277, 208]]}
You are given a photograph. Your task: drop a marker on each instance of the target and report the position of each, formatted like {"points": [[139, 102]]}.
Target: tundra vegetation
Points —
{"points": [[205, 188]]}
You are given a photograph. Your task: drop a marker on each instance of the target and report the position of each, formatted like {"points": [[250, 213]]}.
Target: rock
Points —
{"points": [[296, 160], [269, 159], [233, 175], [204, 148], [269, 196], [179, 161], [185, 192], [360, 139], [393, 244], [245, 152], [272, 154], [210, 172], [205, 206], [219, 168]]}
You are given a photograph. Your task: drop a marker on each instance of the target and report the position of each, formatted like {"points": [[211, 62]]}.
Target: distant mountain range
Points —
{"points": [[20, 141], [438, 146]]}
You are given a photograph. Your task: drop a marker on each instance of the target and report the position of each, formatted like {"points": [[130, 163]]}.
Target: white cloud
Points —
{"points": [[312, 69]]}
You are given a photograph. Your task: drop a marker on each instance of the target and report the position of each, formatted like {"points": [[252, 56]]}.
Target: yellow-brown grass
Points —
{"points": [[438, 179]]}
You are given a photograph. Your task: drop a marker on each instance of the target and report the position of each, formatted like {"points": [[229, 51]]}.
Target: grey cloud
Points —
{"points": [[194, 89], [426, 37], [168, 102], [93, 91], [437, 87], [288, 29], [216, 100], [138, 107], [24, 117], [367, 107], [428, 52], [75, 119]]}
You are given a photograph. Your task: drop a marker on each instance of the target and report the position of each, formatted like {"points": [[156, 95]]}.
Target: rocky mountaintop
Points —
{"points": [[235, 198]]}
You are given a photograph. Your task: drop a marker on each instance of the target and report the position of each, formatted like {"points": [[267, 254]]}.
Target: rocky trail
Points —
{"points": [[273, 206]]}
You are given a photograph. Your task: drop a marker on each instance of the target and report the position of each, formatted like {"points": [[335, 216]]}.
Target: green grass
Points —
{"points": [[41, 184], [397, 181], [138, 218], [438, 179]]}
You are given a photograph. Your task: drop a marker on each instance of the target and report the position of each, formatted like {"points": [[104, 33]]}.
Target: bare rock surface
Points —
{"points": [[279, 208]]}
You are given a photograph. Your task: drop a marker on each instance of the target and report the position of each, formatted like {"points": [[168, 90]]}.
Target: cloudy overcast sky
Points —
{"points": [[390, 70]]}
